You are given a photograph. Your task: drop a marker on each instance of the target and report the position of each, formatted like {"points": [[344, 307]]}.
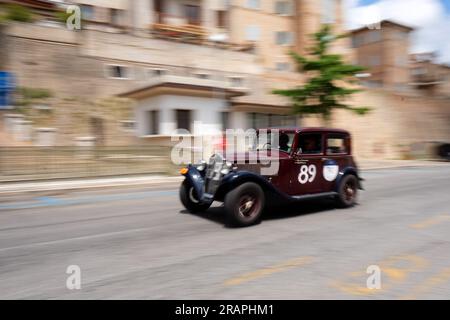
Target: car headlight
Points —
{"points": [[202, 166], [228, 166]]}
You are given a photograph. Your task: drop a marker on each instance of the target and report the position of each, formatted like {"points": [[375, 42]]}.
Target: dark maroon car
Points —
{"points": [[305, 163]]}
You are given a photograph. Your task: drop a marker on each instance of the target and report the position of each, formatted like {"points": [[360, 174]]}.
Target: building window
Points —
{"points": [[183, 119], [328, 11], [419, 71], [283, 8], [153, 122], [253, 4], [128, 125], [237, 82], [116, 17], [373, 36], [282, 66], [155, 72], [259, 121], [87, 12], [204, 76], [357, 41], [284, 38], [118, 72], [225, 119], [192, 13], [222, 17], [252, 33], [262, 120]]}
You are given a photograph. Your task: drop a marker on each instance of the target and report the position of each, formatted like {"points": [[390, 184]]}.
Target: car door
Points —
{"points": [[307, 164]]}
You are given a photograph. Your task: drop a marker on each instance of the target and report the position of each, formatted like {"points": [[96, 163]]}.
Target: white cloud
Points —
{"points": [[429, 18]]}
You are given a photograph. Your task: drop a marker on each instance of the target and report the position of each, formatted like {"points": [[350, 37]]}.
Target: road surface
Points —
{"points": [[137, 243]]}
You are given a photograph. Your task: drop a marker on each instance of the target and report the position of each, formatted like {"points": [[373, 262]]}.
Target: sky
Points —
{"points": [[431, 18]]}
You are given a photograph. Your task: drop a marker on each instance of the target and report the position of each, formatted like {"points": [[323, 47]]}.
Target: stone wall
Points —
{"points": [[396, 125], [75, 64]]}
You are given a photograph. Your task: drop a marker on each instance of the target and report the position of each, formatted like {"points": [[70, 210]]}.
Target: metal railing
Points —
{"points": [[36, 163]]}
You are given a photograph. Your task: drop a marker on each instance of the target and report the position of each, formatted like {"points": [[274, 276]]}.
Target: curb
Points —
{"points": [[407, 165], [15, 188]]}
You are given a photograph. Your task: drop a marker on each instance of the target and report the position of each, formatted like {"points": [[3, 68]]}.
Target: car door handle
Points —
{"points": [[325, 159]]}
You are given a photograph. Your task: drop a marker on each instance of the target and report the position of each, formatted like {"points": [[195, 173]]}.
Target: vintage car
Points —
{"points": [[311, 163]]}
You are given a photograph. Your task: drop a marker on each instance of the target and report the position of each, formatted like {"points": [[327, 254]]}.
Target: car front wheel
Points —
{"points": [[348, 191], [190, 200], [244, 205]]}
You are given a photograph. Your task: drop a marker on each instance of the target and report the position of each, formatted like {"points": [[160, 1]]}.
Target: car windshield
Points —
{"points": [[282, 141]]}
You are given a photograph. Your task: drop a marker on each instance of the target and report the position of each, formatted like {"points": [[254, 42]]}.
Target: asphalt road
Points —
{"points": [[137, 243]]}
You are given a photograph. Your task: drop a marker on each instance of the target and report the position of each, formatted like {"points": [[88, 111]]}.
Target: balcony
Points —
{"points": [[426, 80], [182, 29], [192, 23], [177, 20], [179, 28]]}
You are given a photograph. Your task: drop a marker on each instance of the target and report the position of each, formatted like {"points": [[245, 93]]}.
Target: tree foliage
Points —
{"points": [[15, 12], [328, 81]]}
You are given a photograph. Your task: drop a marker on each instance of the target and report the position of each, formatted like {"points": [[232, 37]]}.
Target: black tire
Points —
{"points": [[244, 205], [347, 192], [189, 199]]}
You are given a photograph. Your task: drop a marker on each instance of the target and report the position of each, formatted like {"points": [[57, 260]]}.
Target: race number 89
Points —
{"points": [[307, 174]]}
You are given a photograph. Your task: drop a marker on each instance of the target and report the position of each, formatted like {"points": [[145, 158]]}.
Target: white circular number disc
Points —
{"points": [[331, 172]]}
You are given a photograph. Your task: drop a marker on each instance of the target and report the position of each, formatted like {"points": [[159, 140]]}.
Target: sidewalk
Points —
{"points": [[369, 164], [78, 184], [42, 186]]}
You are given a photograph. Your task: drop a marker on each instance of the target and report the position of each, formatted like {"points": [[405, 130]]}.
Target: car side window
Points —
{"points": [[286, 140], [336, 144], [310, 143]]}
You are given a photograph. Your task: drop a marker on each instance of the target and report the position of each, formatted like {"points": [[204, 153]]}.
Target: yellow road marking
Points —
{"points": [[415, 264], [261, 273], [357, 287], [440, 278], [431, 222], [391, 273]]}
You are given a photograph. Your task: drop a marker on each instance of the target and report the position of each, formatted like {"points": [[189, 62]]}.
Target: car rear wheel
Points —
{"points": [[190, 200], [244, 205], [348, 191]]}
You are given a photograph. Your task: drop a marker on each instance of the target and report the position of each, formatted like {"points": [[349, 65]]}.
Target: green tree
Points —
{"points": [[328, 81], [15, 12]]}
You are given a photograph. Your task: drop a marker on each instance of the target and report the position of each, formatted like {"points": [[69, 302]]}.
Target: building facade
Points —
{"points": [[125, 45], [429, 77], [384, 51], [202, 66]]}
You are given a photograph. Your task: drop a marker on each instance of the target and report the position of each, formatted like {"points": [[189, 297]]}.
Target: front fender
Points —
{"points": [[196, 179], [347, 171], [235, 179]]}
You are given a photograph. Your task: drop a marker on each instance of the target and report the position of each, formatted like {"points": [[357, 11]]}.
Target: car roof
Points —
{"points": [[306, 129]]}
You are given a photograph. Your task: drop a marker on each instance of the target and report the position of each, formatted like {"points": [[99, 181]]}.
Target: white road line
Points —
{"points": [[96, 236]]}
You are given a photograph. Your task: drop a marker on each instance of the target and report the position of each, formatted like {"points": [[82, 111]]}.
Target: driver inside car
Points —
{"points": [[284, 142]]}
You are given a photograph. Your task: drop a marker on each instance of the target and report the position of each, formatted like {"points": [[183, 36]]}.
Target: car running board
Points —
{"points": [[317, 195]]}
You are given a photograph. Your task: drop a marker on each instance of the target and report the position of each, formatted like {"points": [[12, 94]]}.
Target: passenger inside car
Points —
{"points": [[311, 144]]}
